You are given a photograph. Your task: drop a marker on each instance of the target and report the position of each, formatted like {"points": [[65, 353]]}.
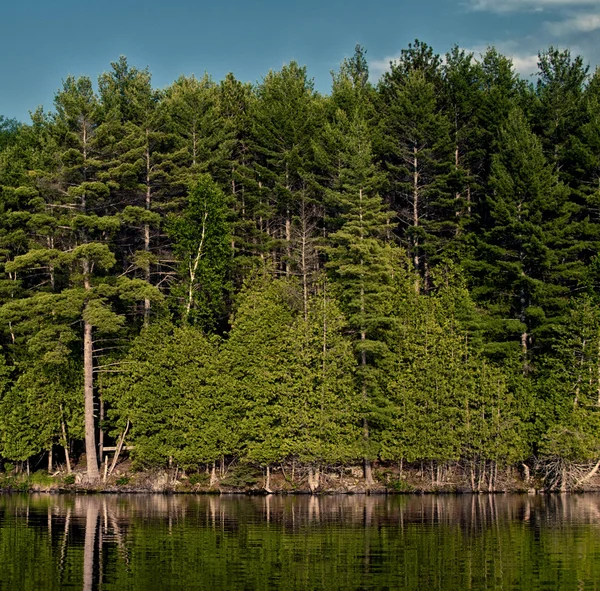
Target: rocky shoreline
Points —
{"points": [[260, 482]]}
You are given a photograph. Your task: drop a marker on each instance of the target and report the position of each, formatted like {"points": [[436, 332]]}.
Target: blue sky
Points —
{"points": [[42, 42]]}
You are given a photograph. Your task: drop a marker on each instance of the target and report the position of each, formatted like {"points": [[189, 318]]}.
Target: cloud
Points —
{"points": [[524, 62], [503, 6], [378, 67], [580, 23]]}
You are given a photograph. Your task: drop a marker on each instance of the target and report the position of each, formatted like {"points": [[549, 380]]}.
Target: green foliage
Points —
{"points": [[243, 476], [266, 220], [68, 479], [570, 387], [198, 479], [202, 243]]}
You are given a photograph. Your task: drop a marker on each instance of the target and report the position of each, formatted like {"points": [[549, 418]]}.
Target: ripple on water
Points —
{"points": [[152, 542]]}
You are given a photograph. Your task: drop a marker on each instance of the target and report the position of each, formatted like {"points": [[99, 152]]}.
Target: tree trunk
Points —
{"points": [[598, 374], [304, 261], [147, 226], [194, 267], [415, 217], [563, 479], [90, 429], [213, 475], [313, 478], [526, 473], [65, 441], [119, 449], [268, 479], [288, 242], [589, 475]]}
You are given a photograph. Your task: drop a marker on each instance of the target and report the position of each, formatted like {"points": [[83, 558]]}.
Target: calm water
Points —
{"points": [[339, 542]]}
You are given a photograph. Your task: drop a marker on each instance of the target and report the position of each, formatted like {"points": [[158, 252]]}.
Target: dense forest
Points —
{"points": [[398, 272]]}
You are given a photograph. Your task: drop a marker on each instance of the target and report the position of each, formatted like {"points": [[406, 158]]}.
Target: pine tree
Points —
{"points": [[237, 177], [67, 273], [139, 152], [256, 361], [322, 409], [559, 110], [569, 393], [521, 273], [360, 263], [462, 95], [417, 156], [285, 118]]}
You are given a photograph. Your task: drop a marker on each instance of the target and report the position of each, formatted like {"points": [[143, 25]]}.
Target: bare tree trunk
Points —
{"points": [[119, 449], [288, 242], [526, 473], [578, 385], [469, 199], [598, 374], [367, 469], [100, 430], [313, 478], [50, 461], [65, 440], [416, 258], [304, 261], [563, 479], [268, 479], [147, 228], [194, 266], [589, 475], [90, 428], [457, 195], [88, 389]]}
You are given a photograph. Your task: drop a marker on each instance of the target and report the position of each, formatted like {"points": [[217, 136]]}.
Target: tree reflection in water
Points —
{"points": [[331, 542]]}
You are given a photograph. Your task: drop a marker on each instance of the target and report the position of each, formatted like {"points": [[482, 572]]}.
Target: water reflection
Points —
{"points": [[330, 542]]}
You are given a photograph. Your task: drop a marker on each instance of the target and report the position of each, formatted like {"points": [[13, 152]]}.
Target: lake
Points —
{"points": [[160, 542]]}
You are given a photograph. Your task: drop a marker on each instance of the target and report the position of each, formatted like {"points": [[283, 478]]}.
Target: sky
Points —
{"points": [[42, 42]]}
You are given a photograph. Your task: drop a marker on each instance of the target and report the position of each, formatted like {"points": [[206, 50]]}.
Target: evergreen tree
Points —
{"points": [[285, 118], [256, 361], [167, 398], [139, 151], [67, 273], [360, 263], [417, 156], [569, 392], [560, 110], [521, 273]]}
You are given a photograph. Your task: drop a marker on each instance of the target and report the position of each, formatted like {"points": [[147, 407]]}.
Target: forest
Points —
{"points": [[398, 272]]}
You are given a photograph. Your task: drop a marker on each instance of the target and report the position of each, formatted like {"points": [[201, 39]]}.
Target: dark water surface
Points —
{"points": [[157, 542]]}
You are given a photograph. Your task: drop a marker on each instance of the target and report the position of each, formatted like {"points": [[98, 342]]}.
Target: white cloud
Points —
{"points": [[524, 62], [378, 67], [500, 6], [580, 23]]}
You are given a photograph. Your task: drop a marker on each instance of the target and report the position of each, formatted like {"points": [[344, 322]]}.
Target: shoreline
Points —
{"points": [[254, 481]]}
